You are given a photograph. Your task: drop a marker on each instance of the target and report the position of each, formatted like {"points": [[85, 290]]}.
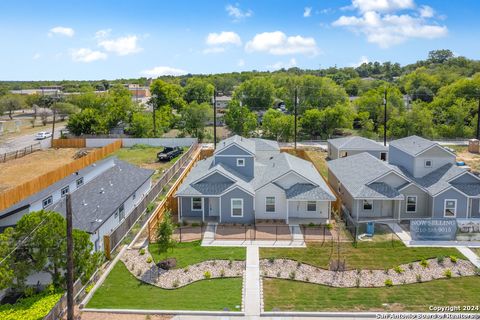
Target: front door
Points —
{"points": [[213, 210]]}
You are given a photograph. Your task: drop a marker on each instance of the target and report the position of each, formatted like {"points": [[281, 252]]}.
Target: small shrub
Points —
{"points": [[150, 207], [299, 264], [230, 263], [307, 279], [424, 263], [311, 224], [195, 224], [149, 260], [329, 226], [388, 282], [440, 259], [359, 271], [279, 274], [222, 273], [207, 274], [386, 270], [357, 282], [398, 269], [186, 269], [29, 291], [271, 260], [51, 288], [454, 259], [175, 283], [142, 251], [89, 288], [410, 266], [419, 277], [292, 275], [448, 273]]}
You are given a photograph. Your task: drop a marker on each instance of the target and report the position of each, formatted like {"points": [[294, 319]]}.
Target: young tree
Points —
{"points": [[198, 90], [194, 117], [10, 103], [164, 233], [239, 119]]}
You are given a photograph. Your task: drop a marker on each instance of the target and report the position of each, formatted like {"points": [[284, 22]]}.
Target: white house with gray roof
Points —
{"points": [[250, 179], [420, 180], [349, 146], [103, 195]]}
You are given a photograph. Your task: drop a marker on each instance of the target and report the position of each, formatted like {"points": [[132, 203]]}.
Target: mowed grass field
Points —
{"points": [[121, 290], [286, 295]]}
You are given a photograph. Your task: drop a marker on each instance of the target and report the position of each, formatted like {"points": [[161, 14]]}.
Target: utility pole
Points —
{"points": [[54, 114], [478, 119], [214, 119], [70, 311], [385, 119], [295, 119], [154, 102]]}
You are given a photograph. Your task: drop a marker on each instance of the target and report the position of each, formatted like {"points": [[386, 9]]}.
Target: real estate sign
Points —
{"points": [[433, 229], [468, 229]]}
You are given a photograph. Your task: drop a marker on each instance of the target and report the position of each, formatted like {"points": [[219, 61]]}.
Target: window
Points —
{"points": [[383, 156], [65, 191], [197, 204], [79, 182], [240, 162], [311, 206], [47, 201], [428, 163], [450, 208], [367, 205], [411, 204], [270, 204], [121, 212], [237, 207]]}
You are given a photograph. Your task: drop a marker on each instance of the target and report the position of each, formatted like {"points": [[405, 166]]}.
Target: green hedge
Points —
{"points": [[32, 308]]}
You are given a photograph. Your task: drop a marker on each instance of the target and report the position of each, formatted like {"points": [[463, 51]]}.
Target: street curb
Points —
{"points": [[175, 312]]}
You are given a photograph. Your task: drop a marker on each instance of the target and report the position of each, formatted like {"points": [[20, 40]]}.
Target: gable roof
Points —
{"points": [[302, 191], [97, 200], [415, 145], [357, 172], [244, 143], [356, 143]]}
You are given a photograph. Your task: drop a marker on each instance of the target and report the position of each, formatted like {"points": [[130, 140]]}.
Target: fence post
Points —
{"points": [[276, 233], [106, 246]]}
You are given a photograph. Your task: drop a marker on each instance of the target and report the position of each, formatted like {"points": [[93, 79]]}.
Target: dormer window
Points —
{"points": [[428, 163], [241, 162]]}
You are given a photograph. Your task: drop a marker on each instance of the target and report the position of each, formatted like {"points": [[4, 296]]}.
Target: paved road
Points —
{"points": [[23, 141]]}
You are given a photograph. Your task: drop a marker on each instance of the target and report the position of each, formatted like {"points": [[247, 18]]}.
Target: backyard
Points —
{"points": [[286, 295], [471, 159]]}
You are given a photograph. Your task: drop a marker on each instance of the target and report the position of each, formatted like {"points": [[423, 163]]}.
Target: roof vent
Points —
{"points": [[110, 183], [84, 203], [102, 190], [98, 220]]}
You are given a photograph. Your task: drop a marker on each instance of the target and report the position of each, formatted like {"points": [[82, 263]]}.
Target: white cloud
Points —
{"points": [[121, 46], [426, 12], [307, 12], [382, 26], [36, 56], [278, 43], [102, 34], [362, 60], [62, 31], [213, 50], [285, 65], [87, 55], [163, 71], [241, 63], [224, 37], [236, 13]]}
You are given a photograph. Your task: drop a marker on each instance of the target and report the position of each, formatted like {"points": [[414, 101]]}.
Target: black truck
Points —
{"points": [[168, 153]]}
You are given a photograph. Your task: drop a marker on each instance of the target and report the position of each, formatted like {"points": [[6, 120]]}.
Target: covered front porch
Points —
{"points": [[374, 209], [308, 211]]}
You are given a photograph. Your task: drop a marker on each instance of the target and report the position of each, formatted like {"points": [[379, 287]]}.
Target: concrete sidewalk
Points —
{"points": [[252, 283], [472, 256]]}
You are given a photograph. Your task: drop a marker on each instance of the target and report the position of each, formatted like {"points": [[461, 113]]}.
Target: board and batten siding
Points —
{"points": [[423, 206], [439, 204], [248, 207], [270, 190]]}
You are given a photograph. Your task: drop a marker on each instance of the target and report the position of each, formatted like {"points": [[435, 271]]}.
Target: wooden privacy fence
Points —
{"points": [[301, 153], [11, 196], [20, 152], [69, 143], [169, 202], [112, 240]]}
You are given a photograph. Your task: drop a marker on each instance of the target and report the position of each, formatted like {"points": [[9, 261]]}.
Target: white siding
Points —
{"points": [[393, 180], [437, 155], [298, 209], [290, 179], [270, 190]]}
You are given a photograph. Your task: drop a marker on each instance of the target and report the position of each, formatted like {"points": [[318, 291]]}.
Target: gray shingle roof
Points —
{"points": [[301, 191], [53, 187], [118, 183], [355, 172], [356, 143], [379, 190], [265, 145], [245, 143], [471, 189], [412, 145]]}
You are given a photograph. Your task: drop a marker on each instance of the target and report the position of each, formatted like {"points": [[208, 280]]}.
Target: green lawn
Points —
{"points": [[121, 290], [368, 255], [188, 253], [31, 308], [298, 296]]}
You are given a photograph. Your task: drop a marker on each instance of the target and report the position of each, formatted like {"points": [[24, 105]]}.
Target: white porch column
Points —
{"points": [[203, 209], [288, 209], [179, 206]]}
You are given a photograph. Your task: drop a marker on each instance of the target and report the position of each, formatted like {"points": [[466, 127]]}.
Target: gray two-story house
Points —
{"points": [[420, 180], [250, 179], [349, 146]]}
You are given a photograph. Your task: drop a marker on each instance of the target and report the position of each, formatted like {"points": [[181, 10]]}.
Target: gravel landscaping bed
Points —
{"points": [[171, 279], [403, 274]]}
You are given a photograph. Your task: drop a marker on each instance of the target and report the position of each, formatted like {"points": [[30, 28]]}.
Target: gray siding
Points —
{"points": [[437, 155], [186, 208], [474, 208], [400, 158], [423, 207], [332, 152], [248, 207], [438, 203], [231, 162]]}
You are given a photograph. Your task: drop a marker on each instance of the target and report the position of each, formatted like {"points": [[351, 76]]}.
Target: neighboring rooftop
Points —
{"points": [[245, 143], [356, 143], [413, 145]]}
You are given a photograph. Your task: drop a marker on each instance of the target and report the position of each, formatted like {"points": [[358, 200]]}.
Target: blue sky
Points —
{"points": [[55, 40]]}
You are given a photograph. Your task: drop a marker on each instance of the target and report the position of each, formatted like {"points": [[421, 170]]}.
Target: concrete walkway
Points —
{"points": [[472, 256], [252, 283]]}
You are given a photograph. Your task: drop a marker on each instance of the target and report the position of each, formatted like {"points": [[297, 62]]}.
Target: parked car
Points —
{"points": [[168, 153], [43, 135]]}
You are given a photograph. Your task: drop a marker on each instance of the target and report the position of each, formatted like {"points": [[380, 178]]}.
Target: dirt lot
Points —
{"points": [[471, 159], [18, 171]]}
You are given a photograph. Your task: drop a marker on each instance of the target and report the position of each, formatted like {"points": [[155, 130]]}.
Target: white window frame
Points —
{"points": [[406, 204], [241, 162], [49, 199], [368, 201], [79, 182], [63, 193], [425, 163], [274, 204], [231, 207], [445, 208], [310, 202], [201, 204]]}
